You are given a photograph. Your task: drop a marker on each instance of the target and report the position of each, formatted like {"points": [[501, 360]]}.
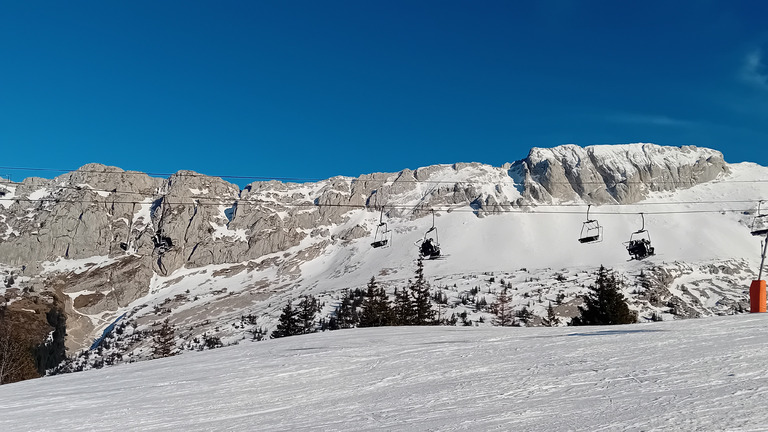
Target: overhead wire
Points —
{"points": [[499, 208], [340, 177]]}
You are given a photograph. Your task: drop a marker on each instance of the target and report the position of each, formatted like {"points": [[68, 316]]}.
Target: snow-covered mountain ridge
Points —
{"points": [[104, 243]]}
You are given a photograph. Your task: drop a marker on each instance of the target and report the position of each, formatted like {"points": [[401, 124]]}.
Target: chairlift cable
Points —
{"points": [[346, 178], [463, 209]]}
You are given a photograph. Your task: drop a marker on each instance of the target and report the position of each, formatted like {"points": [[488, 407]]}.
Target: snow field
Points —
{"points": [[705, 374]]}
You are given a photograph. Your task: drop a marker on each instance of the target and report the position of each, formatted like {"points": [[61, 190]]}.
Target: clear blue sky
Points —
{"points": [[312, 89]]}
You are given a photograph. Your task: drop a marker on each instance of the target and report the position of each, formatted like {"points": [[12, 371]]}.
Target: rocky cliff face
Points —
{"points": [[142, 227], [621, 174]]}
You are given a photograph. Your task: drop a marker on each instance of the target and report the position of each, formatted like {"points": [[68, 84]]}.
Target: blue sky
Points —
{"points": [[313, 89]]}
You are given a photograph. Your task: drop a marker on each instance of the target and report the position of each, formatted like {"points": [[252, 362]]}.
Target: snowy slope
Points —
{"points": [[706, 374]]}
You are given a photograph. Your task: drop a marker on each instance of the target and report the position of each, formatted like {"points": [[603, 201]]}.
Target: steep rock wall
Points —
{"points": [[616, 174]]}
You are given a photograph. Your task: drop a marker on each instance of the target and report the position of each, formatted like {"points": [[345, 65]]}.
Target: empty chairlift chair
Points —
{"points": [[383, 236], [591, 231], [759, 225]]}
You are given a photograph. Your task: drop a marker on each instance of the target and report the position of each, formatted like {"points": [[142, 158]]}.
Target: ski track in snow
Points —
{"points": [[702, 374]]}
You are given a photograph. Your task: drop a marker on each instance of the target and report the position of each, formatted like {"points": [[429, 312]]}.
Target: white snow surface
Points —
{"points": [[702, 374], [76, 266]]}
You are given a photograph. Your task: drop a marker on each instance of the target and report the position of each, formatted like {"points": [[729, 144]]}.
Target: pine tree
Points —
{"points": [[376, 308], [524, 316], [646, 286], [346, 312], [305, 314], [402, 310], [164, 341], [552, 319], [423, 314], [605, 304], [502, 310], [289, 323]]}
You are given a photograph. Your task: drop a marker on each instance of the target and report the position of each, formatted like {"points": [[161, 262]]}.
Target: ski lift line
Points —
{"points": [[367, 207], [413, 208], [416, 208], [351, 179]]}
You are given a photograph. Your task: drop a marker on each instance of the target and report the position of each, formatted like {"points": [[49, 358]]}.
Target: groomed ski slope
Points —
{"points": [[699, 374]]}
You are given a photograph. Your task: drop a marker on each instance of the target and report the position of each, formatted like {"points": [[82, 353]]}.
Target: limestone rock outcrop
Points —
{"points": [[615, 174]]}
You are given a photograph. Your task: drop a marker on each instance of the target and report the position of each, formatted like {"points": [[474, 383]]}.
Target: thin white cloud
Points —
{"points": [[650, 119], [754, 70]]}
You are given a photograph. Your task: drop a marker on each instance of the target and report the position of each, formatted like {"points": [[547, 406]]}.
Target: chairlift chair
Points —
{"points": [[430, 244], [383, 236], [639, 244], [759, 225], [162, 243], [591, 231]]}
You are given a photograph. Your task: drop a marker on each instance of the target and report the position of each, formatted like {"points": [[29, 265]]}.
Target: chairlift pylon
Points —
{"points": [[383, 236], [430, 244], [591, 231], [639, 244], [759, 225]]}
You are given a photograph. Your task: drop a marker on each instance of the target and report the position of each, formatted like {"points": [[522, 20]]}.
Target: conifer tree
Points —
{"points": [[164, 340], [289, 323], [376, 308], [605, 304], [305, 314], [646, 285], [552, 320], [502, 310], [402, 310], [423, 314], [524, 316], [346, 312]]}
